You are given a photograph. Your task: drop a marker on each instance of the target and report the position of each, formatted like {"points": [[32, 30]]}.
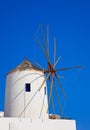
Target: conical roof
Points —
{"points": [[26, 64]]}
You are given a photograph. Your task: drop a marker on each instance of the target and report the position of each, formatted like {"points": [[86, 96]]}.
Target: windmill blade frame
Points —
{"points": [[62, 89], [39, 43], [59, 58], [70, 68], [45, 42], [41, 67], [47, 37], [50, 96], [54, 50], [51, 71], [58, 99]]}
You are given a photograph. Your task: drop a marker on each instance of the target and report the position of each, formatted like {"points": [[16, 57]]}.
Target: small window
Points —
{"points": [[45, 90], [28, 87]]}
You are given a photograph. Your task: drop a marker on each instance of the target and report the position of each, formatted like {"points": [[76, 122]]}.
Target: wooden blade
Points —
{"points": [[50, 96], [58, 99], [47, 37], [60, 84], [53, 106], [70, 68], [45, 42], [39, 43], [61, 77], [57, 61], [44, 81], [42, 107], [41, 67], [54, 50]]}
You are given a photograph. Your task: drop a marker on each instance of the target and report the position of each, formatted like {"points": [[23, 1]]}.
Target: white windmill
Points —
{"points": [[26, 99]]}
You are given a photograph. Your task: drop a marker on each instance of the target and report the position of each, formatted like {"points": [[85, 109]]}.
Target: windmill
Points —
{"points": [[51, 73], [26, 98], [26, 77]]}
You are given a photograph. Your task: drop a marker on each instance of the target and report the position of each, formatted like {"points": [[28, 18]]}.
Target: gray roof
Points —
{"points": [[26, 64]]}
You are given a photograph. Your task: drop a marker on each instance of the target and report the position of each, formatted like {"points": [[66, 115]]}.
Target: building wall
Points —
{"points": [[36, 124], [16, 98], [1, 113]]}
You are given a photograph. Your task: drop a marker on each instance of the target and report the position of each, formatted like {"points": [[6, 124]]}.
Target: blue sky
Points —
{"points": [[69, 21]]}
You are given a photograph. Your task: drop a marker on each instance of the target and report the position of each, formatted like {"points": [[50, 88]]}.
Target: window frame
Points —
{"points": [[27, 87]]}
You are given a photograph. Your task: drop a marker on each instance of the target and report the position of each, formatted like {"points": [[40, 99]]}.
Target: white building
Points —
{"points": [[21, 99], [26, 102]]}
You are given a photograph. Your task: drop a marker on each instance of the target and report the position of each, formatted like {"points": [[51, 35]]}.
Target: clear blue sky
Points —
{"points": [[69, 21]]}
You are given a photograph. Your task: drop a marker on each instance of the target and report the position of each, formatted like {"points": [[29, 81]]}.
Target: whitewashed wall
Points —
{"points": [[29, 124], [16, 98]]}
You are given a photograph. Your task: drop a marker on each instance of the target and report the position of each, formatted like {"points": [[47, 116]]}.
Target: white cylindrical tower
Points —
{"points": [[22, 96]]}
